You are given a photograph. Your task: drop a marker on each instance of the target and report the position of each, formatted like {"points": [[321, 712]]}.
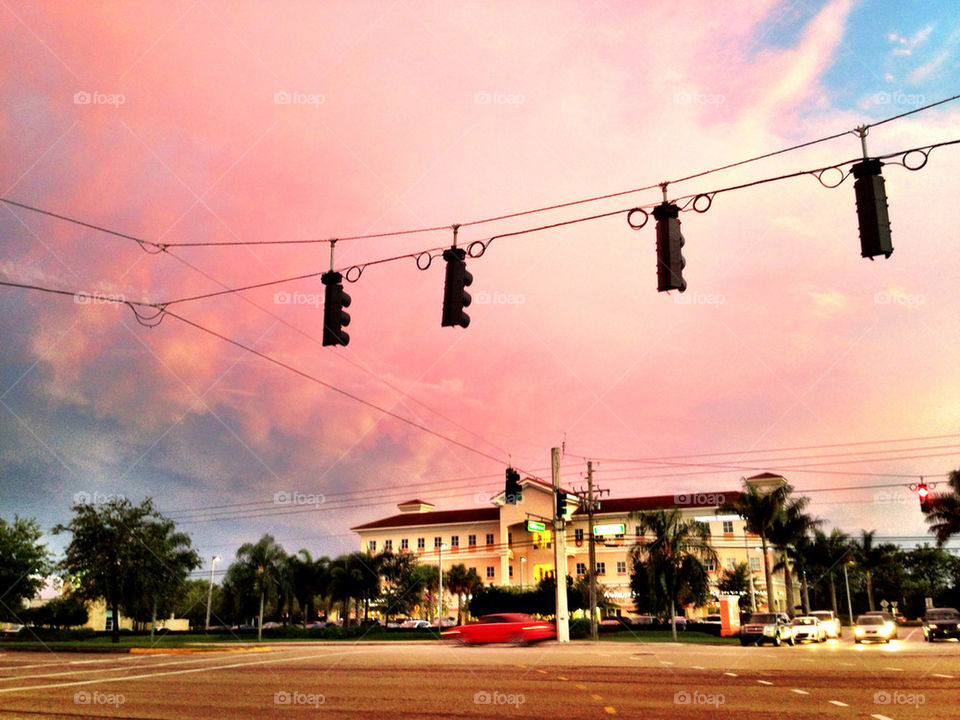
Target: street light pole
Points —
{"points": [[746, 548], [440, 593], [523, 564], [846, 580], [213, 561]]}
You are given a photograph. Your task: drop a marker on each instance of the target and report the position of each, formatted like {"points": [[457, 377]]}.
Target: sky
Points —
{"points": [[229, 122]]}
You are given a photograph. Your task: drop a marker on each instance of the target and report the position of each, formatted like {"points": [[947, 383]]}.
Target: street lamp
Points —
{"points": [[523, 564], [213, 561], [440, 548], [846, 580]]}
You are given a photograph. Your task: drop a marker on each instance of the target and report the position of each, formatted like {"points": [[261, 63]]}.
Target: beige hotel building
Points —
{"points": [[493, 538]]}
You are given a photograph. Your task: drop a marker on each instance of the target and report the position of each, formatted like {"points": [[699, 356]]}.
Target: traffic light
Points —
{"points": [[923, 492], [561, 504], [334, 317], [872, 215], [669, 243], [455, 298], [513, 492]]}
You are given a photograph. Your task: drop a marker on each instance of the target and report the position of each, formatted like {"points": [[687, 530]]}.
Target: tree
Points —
{"points": [[262, 563], [942, 511], [307, 578], [789, 526], [760, 508], [670, 569], [106, 550], [401, 586], [830, 552], [191, 604], [355, 577], [162, 560], [64, 612], [24, 562], [459, 582], [869, 557]]}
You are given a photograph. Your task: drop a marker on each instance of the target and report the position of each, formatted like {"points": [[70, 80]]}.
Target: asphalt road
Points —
{"points": [[906, 679]]}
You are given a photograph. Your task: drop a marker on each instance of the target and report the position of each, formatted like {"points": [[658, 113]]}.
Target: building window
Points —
{"points": [[437, 541], [473, 569], [621, 567], [728, 526], [372, 546], [388, 545], [755, 564], [472, 540], [404, 544], [710, 565], [581, 569], [421, 544], [601, 568], [730, 563], [454, 541], [509, 539], [489, 538], [511, 572], [490, 572], [638, 532], [578, 535]]}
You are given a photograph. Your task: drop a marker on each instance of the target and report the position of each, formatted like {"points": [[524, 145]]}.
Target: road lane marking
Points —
{"points": [[561, 677], [596, 697], [582, 687], [610, 710], [847, 664], [798, 691], [764, 682], [542, 672], [519, 665], [698, 667], [894, 669], [941, 675], [127, 678], [730, 674], [666, 662], [838, 703], [881, 717]]}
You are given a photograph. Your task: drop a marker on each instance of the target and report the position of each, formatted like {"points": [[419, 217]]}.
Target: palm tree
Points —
{"points": [[305, 581], [760, 509], [830, 551], [460, 581], [869, 556], [942, 510], [671, 568], [790, 525], [264, 560], [803, 562], [355, 577]]}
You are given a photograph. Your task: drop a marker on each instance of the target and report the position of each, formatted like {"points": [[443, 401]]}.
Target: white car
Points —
{"points": [[416, 624], [829, 621], [808, 628]]}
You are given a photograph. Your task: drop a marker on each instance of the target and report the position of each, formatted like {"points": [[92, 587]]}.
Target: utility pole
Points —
{"points": [[559, 554], [213, 561], [593, 554]]}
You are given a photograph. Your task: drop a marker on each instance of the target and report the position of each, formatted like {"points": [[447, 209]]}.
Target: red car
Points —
{"points": [[515, 628]]}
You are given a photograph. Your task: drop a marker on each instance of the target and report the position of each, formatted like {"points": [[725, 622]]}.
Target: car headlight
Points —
{"points": [[858, 631], [888, 628]]}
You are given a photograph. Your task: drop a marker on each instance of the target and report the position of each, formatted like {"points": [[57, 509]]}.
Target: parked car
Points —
{"points": [[773, 628], [711, 620], [888, 618], [415, 624], [515, 628], [941, 623], [830, 622], [447, 622], [874, 628], [809, 628]]}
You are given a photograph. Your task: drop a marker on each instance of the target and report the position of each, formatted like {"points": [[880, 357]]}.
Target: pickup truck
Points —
{"points": [[773, 628]]}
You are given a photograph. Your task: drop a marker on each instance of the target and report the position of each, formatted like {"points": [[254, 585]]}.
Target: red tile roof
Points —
{"points": [[436, 517]]}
